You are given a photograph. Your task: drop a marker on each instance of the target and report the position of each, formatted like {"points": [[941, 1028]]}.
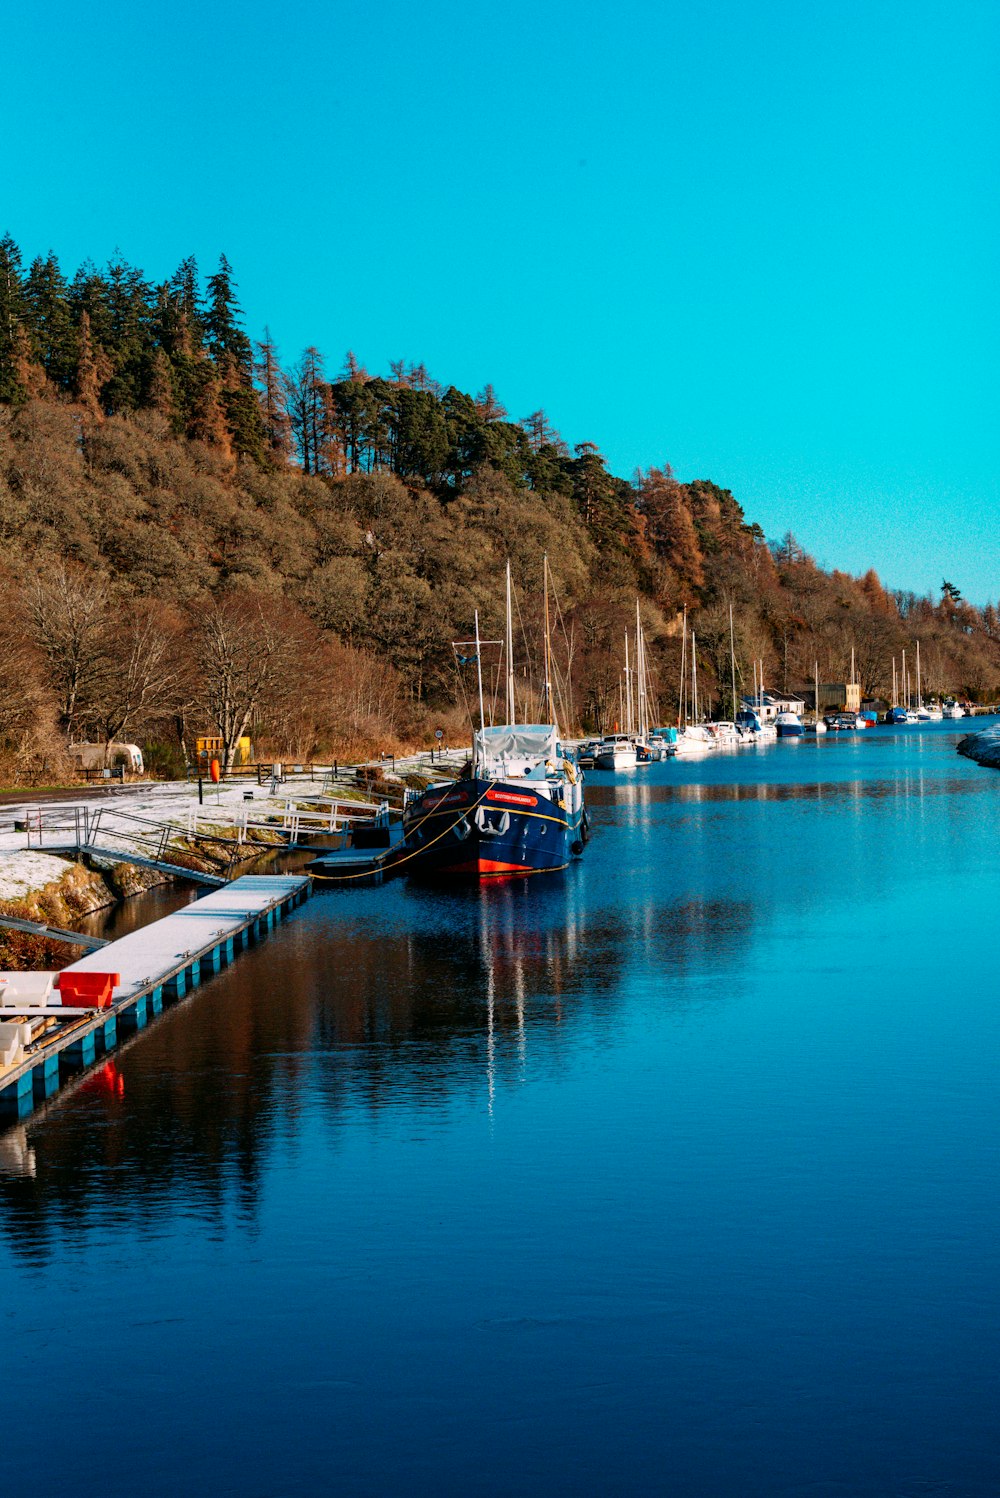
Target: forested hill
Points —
{"points": [[149, 446]]}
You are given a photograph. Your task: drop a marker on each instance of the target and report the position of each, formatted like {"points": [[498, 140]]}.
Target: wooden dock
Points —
{"points": [[157, 965]]}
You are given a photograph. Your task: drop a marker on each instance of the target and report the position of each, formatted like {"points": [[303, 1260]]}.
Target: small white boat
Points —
{"points": [[726, 735], [616, 751], [935, 714], [789, 726], [952, 710], [815, 725], [695, 739]]}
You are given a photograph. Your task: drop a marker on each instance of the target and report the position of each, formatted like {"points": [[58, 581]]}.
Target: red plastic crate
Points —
{"points": [[87, 990]]}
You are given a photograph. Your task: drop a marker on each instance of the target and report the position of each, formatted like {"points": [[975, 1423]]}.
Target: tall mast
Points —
{"points": [[920, 700], [640, 645], [548, 714], [902, 681], [682, 696], [895, 697], [816, 699], [852, 665], [479, 675], [694, 675], [732, 658], [510, 655], [628, 690]]}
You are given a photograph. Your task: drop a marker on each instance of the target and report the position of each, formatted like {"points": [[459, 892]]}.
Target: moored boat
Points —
{"points": [[695, 738], [789, 726], [616, 751], [519, 809], [518, 806]]}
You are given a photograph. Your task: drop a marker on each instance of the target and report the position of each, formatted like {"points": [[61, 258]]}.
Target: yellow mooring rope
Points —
{"points": [[367, 873]]}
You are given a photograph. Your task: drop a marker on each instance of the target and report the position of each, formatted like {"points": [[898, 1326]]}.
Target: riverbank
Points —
{"points": [[52, 890], [983, 747]]}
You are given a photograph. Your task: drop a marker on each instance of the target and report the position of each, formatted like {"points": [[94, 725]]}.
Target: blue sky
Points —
{"points": [[756, 240]]}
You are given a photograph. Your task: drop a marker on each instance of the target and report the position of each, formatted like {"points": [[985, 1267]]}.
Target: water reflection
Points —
{"points": [[904, 786], [350, 1009]]}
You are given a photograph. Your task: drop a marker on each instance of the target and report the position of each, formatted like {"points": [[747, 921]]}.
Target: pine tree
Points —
{"points": [[92, 370], [272, 400], [305, 407], [128, 335], [12, 389], [207, 422], [49, 323], [185, 296], [160, 394], [226, 338]]}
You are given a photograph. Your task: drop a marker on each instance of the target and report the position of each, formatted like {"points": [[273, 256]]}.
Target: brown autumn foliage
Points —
{"points": [[158, 586]]}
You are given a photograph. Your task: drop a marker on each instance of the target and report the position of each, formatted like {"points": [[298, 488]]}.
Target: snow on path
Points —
{"points": [[23, 869]]}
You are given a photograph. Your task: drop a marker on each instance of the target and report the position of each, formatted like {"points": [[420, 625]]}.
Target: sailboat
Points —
{"points": [[923, 713], [518, 807], [753, 717], [818, 724], [731, 734], [617, 751], [692, 738], [649, 746]]}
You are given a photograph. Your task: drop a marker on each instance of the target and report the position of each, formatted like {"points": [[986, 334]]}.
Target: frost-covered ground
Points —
{"points": [[24, 871], [25, 868], [983, 747]]}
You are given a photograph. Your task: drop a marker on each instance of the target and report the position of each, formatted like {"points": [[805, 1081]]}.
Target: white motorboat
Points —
{"points": [[952, 710], [616, 751], [726, 735]]}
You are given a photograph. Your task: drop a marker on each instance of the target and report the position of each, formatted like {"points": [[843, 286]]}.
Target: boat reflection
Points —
{"points": [[426, 1000]]}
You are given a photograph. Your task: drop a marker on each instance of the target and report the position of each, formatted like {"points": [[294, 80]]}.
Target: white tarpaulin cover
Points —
{"points": [[535, 742]]}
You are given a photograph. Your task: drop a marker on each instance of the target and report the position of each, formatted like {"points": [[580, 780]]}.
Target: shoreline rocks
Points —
{"points": [[983, 747]]}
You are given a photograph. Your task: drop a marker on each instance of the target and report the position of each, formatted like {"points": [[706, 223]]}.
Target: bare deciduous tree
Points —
{"points": [[68, 614], [252, 653]]}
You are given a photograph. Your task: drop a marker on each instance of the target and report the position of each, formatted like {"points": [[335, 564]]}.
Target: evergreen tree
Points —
{"points": [[226, 338], [207, 422], [49, 323], [12, 389], [92, 370], [185, 296], [272, 399], [304, 398]]}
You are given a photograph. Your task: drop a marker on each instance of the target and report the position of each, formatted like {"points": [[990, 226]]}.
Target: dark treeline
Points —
{"points": [[154, 458]]}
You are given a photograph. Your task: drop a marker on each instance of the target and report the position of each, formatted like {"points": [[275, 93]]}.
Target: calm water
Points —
{"points": [[676, 1174]]}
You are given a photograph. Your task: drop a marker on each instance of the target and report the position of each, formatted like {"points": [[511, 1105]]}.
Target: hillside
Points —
{"points": [[196, 535]]}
